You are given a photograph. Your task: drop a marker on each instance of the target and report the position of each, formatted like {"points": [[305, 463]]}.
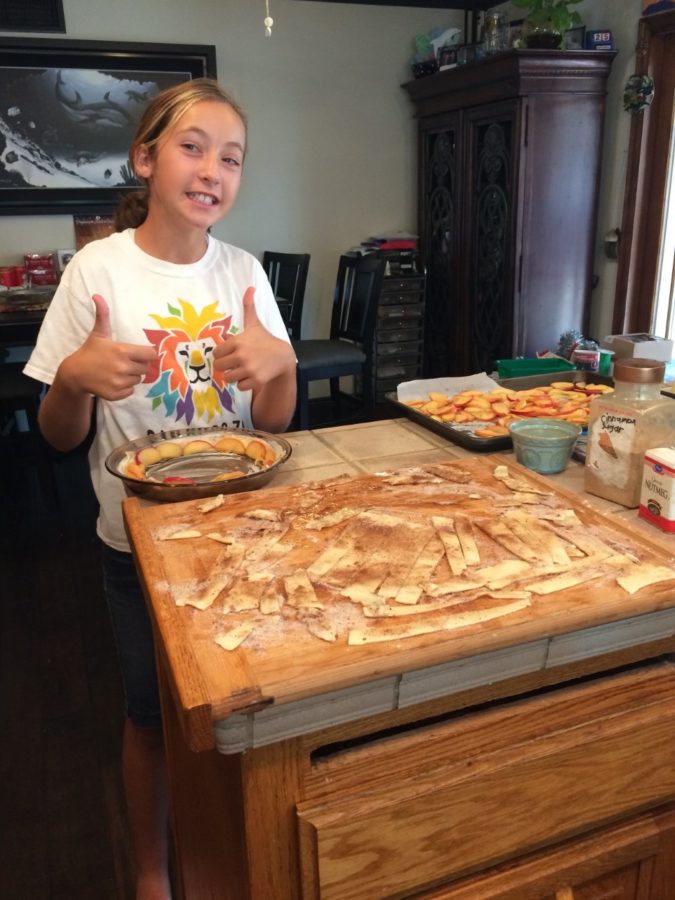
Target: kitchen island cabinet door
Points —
{"points": [[633, 861], [438, 802]]}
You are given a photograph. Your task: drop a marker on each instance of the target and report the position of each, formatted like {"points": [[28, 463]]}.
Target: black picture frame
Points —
{"points": [[575, 38], [447, 57], [68, 111], [36, 15]]}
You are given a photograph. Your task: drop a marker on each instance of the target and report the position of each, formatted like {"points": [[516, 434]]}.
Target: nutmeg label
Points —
{"points": [[657, 497]]}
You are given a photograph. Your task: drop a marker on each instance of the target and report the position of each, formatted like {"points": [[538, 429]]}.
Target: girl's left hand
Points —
{"points": [[253, 357]]}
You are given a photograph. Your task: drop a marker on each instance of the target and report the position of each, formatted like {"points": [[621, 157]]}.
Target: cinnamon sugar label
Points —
{"points": [[657, 497], [612, 437]]}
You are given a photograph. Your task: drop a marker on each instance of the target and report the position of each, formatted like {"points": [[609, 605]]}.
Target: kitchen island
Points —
{"points": [[527, 755]]}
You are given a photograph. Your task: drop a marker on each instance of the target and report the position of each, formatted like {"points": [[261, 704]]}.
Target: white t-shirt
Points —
{"points": [[184, 311]]}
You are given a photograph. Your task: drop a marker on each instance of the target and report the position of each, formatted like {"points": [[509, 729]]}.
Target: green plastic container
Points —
{"points": [[518, 368]]}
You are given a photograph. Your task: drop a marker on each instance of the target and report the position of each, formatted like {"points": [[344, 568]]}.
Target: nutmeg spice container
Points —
{"points": [[657, 497], [623, 425]]}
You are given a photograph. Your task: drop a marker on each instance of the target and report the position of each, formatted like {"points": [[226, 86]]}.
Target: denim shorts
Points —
{"points": [[133, 636]]}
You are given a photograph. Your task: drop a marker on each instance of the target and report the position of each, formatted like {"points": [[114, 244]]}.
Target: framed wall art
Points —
{"points": [[68, 112], [35, 15]]}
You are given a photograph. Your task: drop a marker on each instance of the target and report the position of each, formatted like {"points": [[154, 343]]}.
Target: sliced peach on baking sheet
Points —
{"points": [[501, 408], [461, 417], [491, 431]]}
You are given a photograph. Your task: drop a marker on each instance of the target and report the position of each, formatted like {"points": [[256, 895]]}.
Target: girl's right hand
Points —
{"points": [[104, 367]]}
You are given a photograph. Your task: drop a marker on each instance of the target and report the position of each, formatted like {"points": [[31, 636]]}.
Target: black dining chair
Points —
{"points": [[349, 349], [19, 393], [287, 273]]}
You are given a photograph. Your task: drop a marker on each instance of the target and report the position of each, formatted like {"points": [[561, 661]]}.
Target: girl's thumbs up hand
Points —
{"points": [[105, 367], [250, 315], [102, 320], [253, 357]]}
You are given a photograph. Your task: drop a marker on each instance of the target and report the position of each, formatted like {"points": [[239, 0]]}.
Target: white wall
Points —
{"points": [[621, 17], [332, 140]]}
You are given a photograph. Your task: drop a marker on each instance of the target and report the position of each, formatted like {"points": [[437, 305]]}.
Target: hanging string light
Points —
{"points": [[269, 21]]}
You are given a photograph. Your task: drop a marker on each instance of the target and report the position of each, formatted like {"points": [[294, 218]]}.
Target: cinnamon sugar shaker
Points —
{"points": [[623, 425]]}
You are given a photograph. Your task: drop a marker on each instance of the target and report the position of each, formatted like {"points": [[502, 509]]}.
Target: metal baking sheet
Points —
{"points": [[464, 437]]}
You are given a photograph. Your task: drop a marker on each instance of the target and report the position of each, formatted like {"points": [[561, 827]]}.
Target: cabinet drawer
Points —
{"points": [[400, 297], [384, 335], [400, 313], [398, 370], [631, 861], [438, 803], [398, 350], [394, 285]]}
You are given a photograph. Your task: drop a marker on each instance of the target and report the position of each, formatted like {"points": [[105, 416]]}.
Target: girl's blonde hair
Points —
{"points": [[160, 115]]}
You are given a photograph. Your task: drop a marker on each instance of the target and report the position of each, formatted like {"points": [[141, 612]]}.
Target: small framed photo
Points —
{"points": [[466, 54], [575, 38], [447, 57], [63, 257], [516, 33]]}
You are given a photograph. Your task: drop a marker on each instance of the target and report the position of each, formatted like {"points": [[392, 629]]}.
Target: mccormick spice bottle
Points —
{"points": [[623, 425], [657, 498]]}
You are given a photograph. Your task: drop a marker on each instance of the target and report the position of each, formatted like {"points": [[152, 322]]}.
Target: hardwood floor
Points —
{"points": [[62, 819]]}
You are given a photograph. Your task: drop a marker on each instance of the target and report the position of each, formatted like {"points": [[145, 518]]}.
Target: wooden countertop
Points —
{"points": [[281, 681]]}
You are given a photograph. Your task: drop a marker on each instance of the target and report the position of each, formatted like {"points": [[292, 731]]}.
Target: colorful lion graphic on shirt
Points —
{"points": [[183, 377]]}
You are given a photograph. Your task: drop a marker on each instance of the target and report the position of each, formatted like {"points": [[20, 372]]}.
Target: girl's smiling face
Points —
{"points": [[194, 173]]}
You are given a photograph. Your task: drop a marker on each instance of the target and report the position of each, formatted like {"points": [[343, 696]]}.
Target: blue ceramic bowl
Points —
{"points": [[544, 445]]}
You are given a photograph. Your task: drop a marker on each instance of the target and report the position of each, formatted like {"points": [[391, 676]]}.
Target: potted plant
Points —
{"points": [[547, 21]]}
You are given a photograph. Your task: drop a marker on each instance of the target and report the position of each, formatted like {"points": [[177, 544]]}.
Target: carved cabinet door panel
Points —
{"points": [[439, 214], [491, 136]]}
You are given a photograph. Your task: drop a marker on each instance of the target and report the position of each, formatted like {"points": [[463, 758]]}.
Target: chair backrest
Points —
{"points": [[287, 273], [357, 291]]}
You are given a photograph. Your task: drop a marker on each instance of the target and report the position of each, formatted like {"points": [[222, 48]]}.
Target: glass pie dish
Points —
{"points": [[189, 463]]}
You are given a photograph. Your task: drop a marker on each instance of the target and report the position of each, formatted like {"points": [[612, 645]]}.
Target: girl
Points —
{"points": [[166, 327]]}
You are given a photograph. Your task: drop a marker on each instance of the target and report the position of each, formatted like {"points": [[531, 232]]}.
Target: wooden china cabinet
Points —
{"points": [[509, 163]]}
